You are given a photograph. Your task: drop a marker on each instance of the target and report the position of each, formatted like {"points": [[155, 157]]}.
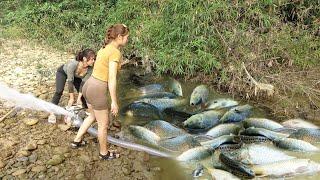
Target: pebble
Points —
{"points": [[19, 172], [30, 121], [38, 169], [31, 146], [55, 160]]}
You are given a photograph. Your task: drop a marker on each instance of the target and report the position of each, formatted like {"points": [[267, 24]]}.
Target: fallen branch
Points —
{"points": [[259, 86], [6, 115]]}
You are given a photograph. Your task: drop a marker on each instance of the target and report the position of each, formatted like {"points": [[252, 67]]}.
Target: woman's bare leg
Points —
{"points": [[85, 125], [102, 117]]}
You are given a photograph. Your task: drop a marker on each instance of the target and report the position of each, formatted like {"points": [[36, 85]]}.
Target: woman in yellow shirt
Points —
{"points": [[103, 78]]}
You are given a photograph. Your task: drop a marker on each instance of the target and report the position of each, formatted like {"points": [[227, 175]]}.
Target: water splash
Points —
{"points": [[29, 101]]}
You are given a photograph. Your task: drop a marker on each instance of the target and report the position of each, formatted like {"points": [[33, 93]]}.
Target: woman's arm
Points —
{"points": [[112, 84]]}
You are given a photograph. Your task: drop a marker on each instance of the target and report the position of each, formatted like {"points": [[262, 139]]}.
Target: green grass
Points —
{"points": [[181, 37]]}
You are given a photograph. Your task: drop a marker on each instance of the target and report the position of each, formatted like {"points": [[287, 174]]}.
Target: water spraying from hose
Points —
{"points": [[28, 101]]}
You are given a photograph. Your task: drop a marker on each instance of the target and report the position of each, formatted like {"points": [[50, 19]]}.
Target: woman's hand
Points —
{"points": [[79, 102], [114, 108]]}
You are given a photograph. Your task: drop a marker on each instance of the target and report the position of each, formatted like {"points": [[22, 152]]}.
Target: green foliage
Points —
{"points": [[181, 37]]}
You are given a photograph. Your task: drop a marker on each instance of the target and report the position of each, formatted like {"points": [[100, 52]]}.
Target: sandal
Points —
{"points": [[75, 145], [109, 156]]}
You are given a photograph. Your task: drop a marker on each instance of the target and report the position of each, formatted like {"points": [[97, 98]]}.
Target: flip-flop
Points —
{"points": [[75, 145], [109, 156]]}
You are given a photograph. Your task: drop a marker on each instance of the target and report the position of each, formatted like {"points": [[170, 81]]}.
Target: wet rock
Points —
{"points": [[64, 127], [31, 146], [38, 169], [19, 172], [30, 121], [55, 160]]}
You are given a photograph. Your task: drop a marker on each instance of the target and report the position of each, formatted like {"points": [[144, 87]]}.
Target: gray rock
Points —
{"points": [[33, 158], [22, 159]]}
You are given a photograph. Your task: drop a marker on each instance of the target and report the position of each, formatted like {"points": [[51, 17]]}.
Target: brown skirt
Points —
{"points": [[95, 93]]}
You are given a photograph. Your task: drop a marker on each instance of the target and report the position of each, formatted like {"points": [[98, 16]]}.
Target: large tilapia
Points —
{"points": [[204, 120]]}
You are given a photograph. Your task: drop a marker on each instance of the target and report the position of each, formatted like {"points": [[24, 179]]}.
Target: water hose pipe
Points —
{"points": [[77, 121]]}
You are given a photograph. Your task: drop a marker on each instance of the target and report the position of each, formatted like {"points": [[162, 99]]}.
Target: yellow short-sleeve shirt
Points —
{"points": [[104, 56]]}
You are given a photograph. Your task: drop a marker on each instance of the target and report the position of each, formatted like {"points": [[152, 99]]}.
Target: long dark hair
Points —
{"points": [[85, 53], [114, 31]]}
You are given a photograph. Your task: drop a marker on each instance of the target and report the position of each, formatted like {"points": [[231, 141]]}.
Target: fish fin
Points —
{"points": [[285, 130]]}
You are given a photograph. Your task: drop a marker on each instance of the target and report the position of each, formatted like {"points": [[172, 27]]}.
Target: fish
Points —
{"points": [[167, 95], [236, 167], [175, 87], [298, 123], [219, 174], [179, 143], [164, 129], [224, 129], [195, 154], [261, 123], [199, 95], [307, 134], [262, 132], [221, 103], [236, 114], [141, 109], [295, 145], [163, 103], [204, 120], [151, 88], [254, 154], [287, 168], [216, 142], [144, 134]]}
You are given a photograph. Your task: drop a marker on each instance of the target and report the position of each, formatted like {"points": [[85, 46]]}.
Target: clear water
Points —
{"points": [[171, 169], [28, 101]]}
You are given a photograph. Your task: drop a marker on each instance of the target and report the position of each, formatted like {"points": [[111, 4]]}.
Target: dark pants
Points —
{"points": [[61, 78]]}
